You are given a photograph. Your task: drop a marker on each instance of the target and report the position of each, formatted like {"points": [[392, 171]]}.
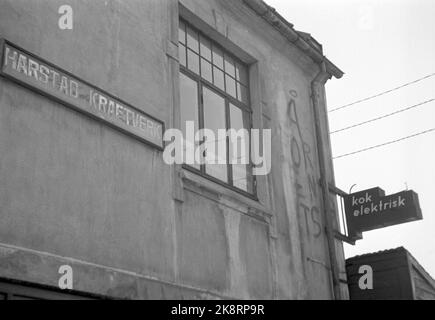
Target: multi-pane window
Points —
{"points": [[214, 92]]}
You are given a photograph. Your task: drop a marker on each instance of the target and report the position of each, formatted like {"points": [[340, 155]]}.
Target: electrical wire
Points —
{"points": [[384, 144], [384, 116], [383, 93]]}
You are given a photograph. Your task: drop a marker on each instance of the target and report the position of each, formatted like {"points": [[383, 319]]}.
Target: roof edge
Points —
{"points": [[286, 29], [402, 250]]}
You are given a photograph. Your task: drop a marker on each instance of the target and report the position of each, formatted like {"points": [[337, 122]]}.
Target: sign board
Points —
{"points": [[39, 75], [372, 209]]}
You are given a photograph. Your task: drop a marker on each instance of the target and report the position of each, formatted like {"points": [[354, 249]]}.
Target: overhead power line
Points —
{"points": [[383, 93], [385, 144], [384, 116]]}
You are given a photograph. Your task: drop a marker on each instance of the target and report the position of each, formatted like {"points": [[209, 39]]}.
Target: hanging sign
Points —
{"points": [[372, 209]]}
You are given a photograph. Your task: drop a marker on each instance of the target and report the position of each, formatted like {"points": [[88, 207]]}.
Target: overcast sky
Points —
{"points": [[380, 45]]}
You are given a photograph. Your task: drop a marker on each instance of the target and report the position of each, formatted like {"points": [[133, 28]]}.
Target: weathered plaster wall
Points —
{"points": [[70, 185], [284, 103], [74, 191]]}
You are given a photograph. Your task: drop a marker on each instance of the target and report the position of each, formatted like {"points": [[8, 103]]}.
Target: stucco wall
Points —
{"points": [[74, 191]]}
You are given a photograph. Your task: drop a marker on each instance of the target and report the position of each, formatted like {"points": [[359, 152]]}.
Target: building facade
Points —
{"points": [[92, 191]]}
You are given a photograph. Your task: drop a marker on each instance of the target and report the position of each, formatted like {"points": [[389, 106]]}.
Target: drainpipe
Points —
{"points": [[316, 86]]}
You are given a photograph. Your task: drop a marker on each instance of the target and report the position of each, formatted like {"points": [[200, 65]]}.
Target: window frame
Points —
{"points": [[229, 99]]}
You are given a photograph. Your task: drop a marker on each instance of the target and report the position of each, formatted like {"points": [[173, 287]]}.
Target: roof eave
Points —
{"points": [[286, 29]]}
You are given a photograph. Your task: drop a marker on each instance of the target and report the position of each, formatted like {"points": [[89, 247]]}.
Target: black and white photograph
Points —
{"points": [[220, 157]]}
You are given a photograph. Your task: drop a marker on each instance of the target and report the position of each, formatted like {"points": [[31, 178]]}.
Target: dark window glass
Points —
{"points": [[182, 33], [242, 172], [214, 119], [230, 85], [205, 49], [206, 71], [192, 39], [229, 66], [193, 61], [218, 78], [242, 93], [218, 57], [211, 73], [189, 109]]}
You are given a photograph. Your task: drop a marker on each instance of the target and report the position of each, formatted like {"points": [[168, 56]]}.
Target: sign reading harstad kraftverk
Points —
{"points": [[37, 74], [371, 209]]}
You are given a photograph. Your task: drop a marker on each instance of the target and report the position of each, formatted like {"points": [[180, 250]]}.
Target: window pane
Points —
{"points": [[182, 54], [193, 61], [230, 86], [221, 78], [242, 93], [206, 72], [243, 178], [214, 119], [218, 78], [192, 39], [239, 119], [218, 58], [242, 172], [182, 33], [189, 109], [242, 74], [205, 49], [229, 66]]}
